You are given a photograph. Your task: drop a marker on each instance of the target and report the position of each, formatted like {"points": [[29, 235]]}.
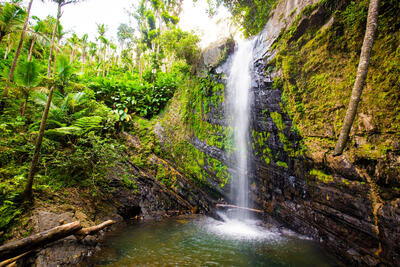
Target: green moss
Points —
{"points": [[282, 164], [260, 146], [321, 176], [128, 183], [318, 72], [277, 118], [346, 182]]}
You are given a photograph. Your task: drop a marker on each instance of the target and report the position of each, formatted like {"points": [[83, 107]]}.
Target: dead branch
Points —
{"points": [[81, 234], [237, 207]]}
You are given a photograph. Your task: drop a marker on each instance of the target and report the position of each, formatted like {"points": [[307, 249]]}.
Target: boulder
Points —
{"points": [[215, 54]]}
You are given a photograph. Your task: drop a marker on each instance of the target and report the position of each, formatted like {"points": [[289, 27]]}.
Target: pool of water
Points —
{"points": [[203, 241]]}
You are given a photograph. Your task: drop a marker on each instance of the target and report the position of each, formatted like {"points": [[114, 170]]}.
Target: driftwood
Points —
{"points": [[18, 248], [81, 234], [237, 207], [13, 260]]}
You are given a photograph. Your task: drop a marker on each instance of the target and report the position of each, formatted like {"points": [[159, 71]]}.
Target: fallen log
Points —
{"points": [[238, 207], [12, 260], [32, 242], [81, 234], [19, 247]]}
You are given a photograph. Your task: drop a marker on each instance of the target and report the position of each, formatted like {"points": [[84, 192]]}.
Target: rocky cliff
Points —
{"points": [[305, 62]]}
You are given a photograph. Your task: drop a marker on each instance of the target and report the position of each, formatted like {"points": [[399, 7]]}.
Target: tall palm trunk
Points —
{"points": [[14, 64], [24, 105], [52, 40], [83, 60], [28, 194], [55, 58], [372, 24], [31, 49]]}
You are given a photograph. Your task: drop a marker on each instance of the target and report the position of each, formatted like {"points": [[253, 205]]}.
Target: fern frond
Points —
{"points": [[88, 124], [63, 131]]}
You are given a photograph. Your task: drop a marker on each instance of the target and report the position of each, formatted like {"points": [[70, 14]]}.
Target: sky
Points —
{"points": [[83, 17]]}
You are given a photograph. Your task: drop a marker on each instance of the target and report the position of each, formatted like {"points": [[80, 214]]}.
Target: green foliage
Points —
{"points": [[64, 72], [318, 72], [27, 75], [250, 15], [128, 183], [84, 163], [12, 18], [182, 45], [128, 96], [73, 115]]}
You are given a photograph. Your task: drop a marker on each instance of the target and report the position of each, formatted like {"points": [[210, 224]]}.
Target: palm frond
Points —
{"points": [[40, 98], [27, 75], [12, 18]]}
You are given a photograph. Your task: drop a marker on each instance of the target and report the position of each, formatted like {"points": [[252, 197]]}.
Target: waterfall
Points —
{"points": [[238, 113]]}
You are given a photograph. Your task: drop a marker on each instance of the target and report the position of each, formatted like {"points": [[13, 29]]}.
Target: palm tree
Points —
{"points": [[60, 33], [74, 42], [10, 43], [103, 43], [84, 45], [27, 77], [37, 30], [64, 72], [372, 24], [11, 19], [92, 51], [28, 194], [11, 16]]}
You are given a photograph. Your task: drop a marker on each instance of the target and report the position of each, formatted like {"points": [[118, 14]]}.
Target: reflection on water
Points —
{"points": [[202, 241]]}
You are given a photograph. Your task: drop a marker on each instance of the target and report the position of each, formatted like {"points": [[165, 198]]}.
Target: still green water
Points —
{"points": [[202, 241]]}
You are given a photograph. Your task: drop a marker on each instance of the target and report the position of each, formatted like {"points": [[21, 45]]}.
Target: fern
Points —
{"points": [[88, 124], [63, 131]]}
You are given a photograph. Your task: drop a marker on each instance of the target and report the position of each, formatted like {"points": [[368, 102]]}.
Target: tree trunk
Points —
{"points": [[31, 49], [81, 234], [14, 64], [55, 59], [83, 61], [52, 40], [13, 260], [24, 106], [28, 194], [18, 247], [372, 24]]}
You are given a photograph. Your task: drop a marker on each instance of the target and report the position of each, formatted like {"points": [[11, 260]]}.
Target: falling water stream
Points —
{"points": [[237, 115], [238, 240]]}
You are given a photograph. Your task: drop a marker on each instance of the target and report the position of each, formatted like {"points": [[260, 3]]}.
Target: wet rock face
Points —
{"points": [[338, 209]]}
